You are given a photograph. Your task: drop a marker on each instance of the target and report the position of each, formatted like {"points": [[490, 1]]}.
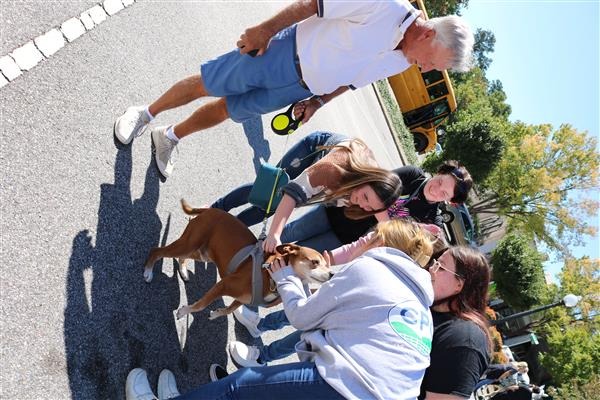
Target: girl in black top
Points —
{"points": [[421, 197]]}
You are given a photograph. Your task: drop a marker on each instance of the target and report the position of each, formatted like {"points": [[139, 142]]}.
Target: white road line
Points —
{"points": [[29, 55]]}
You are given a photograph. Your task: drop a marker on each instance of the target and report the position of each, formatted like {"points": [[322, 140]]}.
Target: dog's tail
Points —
{"points": [[190, 210]]}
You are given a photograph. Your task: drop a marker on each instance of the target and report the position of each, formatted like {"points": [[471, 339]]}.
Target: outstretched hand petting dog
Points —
{"points": [[276, 265]]}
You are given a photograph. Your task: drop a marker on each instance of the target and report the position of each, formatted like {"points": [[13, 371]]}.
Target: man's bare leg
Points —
{"points": [[206, 116], [165, 138], [181, 93]]}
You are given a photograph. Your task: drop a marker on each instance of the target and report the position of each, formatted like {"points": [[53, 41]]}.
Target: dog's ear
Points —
{"points": [[287, 248]]}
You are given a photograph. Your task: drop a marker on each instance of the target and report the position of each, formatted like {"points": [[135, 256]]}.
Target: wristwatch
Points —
{"points": [[319, 100]]}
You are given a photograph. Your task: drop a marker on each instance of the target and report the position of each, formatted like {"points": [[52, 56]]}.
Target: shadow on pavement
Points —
{"points": [[253, 130], [114, 320]]}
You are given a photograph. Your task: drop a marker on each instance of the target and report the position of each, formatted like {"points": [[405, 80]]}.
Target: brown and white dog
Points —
{"points": [[216, 236]]}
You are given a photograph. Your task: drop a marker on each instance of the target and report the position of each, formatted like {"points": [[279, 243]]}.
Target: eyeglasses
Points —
{"points": [[436, 265]]}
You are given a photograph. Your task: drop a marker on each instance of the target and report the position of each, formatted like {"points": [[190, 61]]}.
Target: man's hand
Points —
{"points": [[307, 107], [255, 38]]}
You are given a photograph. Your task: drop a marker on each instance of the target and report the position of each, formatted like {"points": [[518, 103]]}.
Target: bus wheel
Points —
{"points": [[421, 142]]}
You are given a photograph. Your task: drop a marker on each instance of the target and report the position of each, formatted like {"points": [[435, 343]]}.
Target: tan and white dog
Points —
{"points": [[216, 236]]}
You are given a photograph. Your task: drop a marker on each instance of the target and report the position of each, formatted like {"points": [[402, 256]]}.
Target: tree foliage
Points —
{"points": [[577, 391], [475, 132], [573, 358], [440, 8], [518, 272], [474, 141], [484, 44], [534, 182]]}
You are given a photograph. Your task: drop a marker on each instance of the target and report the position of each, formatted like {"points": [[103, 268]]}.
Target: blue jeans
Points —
{"points": [[299, 380], [280, 348], [312, 230], [239, 197], [273, 321]]}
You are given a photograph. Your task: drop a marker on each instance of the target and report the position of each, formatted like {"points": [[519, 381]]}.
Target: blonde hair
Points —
{"points": [[406, 236]]}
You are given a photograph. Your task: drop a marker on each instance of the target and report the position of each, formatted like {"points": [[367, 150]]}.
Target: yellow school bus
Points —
{"points": [[425, 99]]}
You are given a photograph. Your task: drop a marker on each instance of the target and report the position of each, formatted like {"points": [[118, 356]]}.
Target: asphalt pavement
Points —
{"points": [[79, 212]]}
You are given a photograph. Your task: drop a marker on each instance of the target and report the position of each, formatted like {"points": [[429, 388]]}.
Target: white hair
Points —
{"points": [[454, 33]]}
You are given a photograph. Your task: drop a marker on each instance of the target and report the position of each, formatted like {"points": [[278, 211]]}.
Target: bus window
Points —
{"points": [[432, 76], [441, 108], [439, 121], [437, 91], [427, 113]]}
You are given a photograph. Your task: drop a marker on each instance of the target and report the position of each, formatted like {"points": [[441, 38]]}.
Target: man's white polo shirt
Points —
{"points": [[351, 43]]}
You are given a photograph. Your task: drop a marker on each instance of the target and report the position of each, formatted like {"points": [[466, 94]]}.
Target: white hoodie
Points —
{"points": [[368, 329]]}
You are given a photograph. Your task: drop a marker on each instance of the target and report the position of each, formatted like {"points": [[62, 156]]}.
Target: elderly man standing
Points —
{"points": [[312, 50]]}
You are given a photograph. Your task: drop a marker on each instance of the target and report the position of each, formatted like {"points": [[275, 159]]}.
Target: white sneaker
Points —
{"points": [[132, 123], [245, 356], [137, 386], [217, 372], [163, 150], [167, 387], [249, 319]]}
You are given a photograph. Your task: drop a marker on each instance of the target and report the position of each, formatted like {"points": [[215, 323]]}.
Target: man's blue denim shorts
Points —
{"points": [[256, 85]]}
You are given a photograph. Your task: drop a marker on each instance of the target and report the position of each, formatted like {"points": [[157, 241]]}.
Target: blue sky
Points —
{"points": [[547, 58]]}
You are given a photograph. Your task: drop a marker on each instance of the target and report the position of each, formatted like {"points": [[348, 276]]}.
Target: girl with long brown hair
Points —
{"points": [[349, 177], [461, 341]]}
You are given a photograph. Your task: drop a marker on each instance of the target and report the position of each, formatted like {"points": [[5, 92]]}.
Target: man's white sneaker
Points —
{"points": [[167, 387], [137, 386], [163, 150], [249, 319], [245, 356], [131, 124]]}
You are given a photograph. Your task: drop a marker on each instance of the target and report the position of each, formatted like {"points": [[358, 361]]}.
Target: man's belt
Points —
{"points": [[299, 70]]}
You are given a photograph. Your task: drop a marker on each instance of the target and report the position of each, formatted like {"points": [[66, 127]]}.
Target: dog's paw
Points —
{"points": [[148, 275], [183, 311], [183, 271], [219, 312]]}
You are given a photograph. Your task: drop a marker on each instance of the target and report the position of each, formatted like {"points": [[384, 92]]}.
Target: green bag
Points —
{"points": [[270, 181]]}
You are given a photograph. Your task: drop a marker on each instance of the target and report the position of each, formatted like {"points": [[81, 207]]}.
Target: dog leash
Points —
{"points": [[263, 232]]}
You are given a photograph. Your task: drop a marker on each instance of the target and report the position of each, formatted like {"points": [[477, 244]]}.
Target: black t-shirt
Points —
{"points": [[413, 178], [459, 356], [495, 371]]}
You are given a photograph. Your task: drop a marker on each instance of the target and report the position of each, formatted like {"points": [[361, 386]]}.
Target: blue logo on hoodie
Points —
{"points": [[412, 322]]}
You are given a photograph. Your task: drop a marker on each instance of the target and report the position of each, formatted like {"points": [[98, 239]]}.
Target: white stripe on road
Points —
{"points": [[29, 55]]}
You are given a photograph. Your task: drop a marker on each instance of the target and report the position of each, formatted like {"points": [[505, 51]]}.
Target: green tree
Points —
{"points": [[440, 8], [518, 272], [573, 356], [498, 100], [535, 183], [484, 45], [476, 141], [475, 133]]}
